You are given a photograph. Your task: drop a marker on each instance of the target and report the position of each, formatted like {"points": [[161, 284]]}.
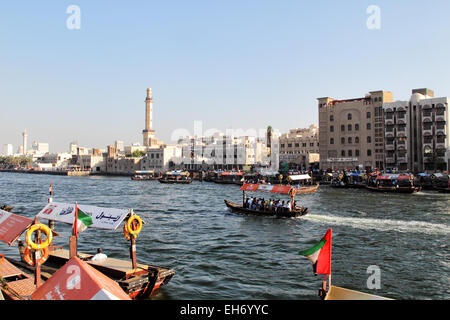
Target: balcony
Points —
{"points": [[390, 160]]}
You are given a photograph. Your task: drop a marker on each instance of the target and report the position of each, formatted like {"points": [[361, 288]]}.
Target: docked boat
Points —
{"points": [[140, 175], [176, 177], [302, 183], [296, 211], [349, 180], [229, 177], [400, 183]]}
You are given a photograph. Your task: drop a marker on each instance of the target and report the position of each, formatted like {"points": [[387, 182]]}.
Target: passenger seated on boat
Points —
{"points": [[100, 256]]}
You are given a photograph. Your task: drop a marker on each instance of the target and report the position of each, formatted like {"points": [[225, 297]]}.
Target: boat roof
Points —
{"points": [[95, 285], [102, 218], [12, 226], [144, 171], [338, 293], [300, 177], [231, 173], [394, 177], [177, 173], [266, 188]]}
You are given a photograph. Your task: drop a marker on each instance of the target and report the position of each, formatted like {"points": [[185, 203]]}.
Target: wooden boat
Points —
{"points": [[229, 177], [145, 176], [338, 293], [297, 212], [176, 177], [398, 183], [302, 189], [15, 284], [274, 189]]}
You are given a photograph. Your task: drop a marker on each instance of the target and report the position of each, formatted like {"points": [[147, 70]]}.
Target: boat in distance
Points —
{"points": [[297, 212], [176, 177]]}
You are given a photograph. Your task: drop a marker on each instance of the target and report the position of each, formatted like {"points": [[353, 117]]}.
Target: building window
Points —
{"points": [[349, 127], [282, 145], [356, 139], [342, 127], [304, 144], [331, 141], [289, 145], [350, 153], [369, 126], [350, 140], [356, 127], [331, 117], [297, 145], [342, 140], [369, 115], [349, 116], [311, 144], [357, 153], [369, 152], [369, 139], [343, 153], [331, 128]]}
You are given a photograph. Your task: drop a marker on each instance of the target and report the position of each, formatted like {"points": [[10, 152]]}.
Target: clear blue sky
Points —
{"points": [[231, 64]]}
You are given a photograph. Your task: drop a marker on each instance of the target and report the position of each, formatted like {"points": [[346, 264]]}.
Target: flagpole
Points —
{"points": [[73, 238]]}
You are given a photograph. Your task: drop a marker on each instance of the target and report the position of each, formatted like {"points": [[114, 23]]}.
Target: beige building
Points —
{"points": [[160, 159], [417, 132], [351, 132], [300, 147]]}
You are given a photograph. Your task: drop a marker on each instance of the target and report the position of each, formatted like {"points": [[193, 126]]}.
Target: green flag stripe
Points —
{"points": [[84, 218], [313, 249]]}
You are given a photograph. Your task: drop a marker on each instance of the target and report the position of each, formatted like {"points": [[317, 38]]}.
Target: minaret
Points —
{"points": [[25, 136], [148, 132]]}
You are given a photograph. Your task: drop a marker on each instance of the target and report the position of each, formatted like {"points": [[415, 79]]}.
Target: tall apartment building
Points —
{"points": [[417, 132], [300, 147], [351, 132]]}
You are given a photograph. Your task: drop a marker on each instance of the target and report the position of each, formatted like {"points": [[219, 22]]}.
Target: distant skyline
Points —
{"points": [[234, 64]]}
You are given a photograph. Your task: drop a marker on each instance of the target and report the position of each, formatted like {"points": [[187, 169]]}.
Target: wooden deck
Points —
{"points": [[115, 268], [338, 293], [16, 284]]}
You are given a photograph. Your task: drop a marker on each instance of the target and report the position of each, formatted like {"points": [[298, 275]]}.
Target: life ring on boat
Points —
{"points": [[41, 227], [28, 256], [126, 234], [130, 226], [341, 176]]}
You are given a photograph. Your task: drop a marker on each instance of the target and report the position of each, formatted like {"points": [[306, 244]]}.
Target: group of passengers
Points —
{"points": [[273, 205]]}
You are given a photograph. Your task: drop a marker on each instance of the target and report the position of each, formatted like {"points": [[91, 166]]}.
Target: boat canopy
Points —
{"points": [[231, 173], [177, 173], [394, 177], [102, 218], [300, 177], [144, 172], [12, 226], [266, 188]]}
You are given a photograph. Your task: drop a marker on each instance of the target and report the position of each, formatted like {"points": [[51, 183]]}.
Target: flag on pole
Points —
{"points": [[81, 221], [320, 255]]}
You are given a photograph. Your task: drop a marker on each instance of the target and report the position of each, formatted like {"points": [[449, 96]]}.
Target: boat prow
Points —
{"points": [[338, 293]]}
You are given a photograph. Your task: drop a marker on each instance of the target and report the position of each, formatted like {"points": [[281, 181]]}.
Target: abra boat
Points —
{"points": [[176, 177], [274, 189], [400, 183], [145, 175], [229, 177], [302, 188]]}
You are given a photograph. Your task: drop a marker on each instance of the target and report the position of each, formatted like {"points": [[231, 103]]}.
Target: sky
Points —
{"points": [[230, 64]]}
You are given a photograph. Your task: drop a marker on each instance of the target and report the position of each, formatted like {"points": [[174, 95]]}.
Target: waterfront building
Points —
{"points": [[300, 147], [351, 132], [417, 132], [119, 146], [73, 147], [223, 152], [162, 158], [8, 150], [53, 161]]}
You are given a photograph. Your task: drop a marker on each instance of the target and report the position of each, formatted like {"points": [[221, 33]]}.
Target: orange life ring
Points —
{"points": [[28, 256], [126, 234]]}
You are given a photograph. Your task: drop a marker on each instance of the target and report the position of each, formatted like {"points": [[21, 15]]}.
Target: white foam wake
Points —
{"points": [[382, 224]]}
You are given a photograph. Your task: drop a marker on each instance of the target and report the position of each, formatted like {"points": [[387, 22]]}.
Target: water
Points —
{"points": [[217, 254]]}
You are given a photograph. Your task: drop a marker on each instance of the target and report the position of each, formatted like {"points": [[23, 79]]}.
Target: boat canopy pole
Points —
{"points": [[37, 268]]}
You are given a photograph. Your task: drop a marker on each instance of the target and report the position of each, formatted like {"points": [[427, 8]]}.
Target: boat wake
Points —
{"points": [[382, 224]]}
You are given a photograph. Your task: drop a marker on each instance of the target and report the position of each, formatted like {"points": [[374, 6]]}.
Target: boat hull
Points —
{"points": [[306, 190], [239, 208], [394, 189], [175, 181]]}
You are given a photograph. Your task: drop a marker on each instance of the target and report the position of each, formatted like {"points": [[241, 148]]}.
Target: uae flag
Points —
{"points": [[82, 221], [320, 255]]}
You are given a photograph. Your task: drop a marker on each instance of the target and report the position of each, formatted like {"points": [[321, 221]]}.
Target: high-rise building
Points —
{"points": [[351, 132], [8, 150], [417, 132]]}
